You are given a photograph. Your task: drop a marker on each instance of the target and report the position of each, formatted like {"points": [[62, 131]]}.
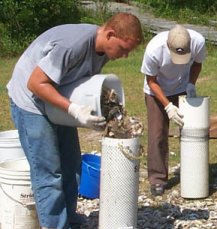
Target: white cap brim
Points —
{"points": [[180, 59]]}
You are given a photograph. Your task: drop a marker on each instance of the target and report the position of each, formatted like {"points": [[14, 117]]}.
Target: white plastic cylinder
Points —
{"points": [[86, 91], [17, 200], [194, 144], [119, 183]]}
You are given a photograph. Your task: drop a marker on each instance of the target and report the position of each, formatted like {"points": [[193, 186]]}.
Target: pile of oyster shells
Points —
{"points": [[119, 124], [169, 211]]}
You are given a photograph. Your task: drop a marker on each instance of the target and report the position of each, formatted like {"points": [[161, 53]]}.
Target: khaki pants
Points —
{"points": [[158, 131]]}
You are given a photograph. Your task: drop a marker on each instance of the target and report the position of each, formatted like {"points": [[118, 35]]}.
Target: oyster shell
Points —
{"points": [[119, 124]]}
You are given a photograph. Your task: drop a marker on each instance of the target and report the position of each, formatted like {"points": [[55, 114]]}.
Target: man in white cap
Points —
{"points": [[171, 64]]}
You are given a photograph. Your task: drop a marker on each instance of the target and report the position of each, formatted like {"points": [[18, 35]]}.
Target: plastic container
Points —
{"points": [[16, 197], [10, 146], [90, 176], [87, 92]]}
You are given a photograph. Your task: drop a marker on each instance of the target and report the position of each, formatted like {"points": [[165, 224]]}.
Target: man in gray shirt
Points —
{"points": [[59, 57]]}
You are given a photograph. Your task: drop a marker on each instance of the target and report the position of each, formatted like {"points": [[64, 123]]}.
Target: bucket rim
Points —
{"points": [[3, 170], [91, 167], [121, 139], [5, 132], [15, 182], [88, 165], [22, 159]]}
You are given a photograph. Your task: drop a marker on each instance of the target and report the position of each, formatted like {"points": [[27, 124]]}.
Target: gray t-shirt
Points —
{"points": [[66, 53]]}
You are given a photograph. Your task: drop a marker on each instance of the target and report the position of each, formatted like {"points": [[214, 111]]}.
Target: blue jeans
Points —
{"points": [[54, 156]]}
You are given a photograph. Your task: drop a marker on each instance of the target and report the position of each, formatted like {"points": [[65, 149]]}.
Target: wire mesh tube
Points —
{"points": [[119, 183], [194, 147]]}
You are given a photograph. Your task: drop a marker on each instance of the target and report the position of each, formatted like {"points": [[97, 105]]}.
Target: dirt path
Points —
{"points": [[156, 25]]}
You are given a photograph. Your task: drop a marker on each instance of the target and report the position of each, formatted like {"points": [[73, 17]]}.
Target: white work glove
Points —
{"points": [[84, 115], [190, 90], [174, 114]]}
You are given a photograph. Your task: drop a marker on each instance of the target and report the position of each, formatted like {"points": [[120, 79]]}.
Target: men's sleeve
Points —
{"points": [[57, 61], [149, 65], [200, 50]]}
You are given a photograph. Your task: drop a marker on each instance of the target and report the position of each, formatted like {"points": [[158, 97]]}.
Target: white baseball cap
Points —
{"points": [[179, 43]]}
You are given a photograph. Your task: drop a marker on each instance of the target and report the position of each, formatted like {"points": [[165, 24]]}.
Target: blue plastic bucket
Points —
{"points": [[90, 176]]}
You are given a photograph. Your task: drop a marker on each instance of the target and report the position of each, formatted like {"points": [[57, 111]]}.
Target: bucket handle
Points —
{"points": [[88, 168], [127, 152], [17, 201]]}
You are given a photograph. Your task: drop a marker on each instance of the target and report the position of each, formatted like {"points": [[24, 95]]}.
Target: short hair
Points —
{"points": [[126, 26]]}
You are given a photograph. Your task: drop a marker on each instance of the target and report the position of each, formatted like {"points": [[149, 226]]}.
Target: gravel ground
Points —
{"points": [[169, 211]]}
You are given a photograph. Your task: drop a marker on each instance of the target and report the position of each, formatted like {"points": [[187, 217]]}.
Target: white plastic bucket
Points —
{"points": [[10, 146], [87, 91], [194, 147], [16, 196], [119, 183]]}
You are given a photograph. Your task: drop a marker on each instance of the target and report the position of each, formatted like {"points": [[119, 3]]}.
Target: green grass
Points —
{"points": [[128, 70], [6, 68]]}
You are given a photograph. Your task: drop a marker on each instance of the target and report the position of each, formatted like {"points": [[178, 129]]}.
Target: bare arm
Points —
{"points": [[156, 89], [43, 87], [194, 72]]}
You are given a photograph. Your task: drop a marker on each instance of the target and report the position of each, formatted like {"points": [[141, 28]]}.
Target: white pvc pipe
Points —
{"points": [[194, 147], [196, 112], [86, 91], [119, 183]]}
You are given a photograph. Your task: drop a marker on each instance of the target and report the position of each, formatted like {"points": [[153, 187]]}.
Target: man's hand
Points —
{"points": [[84, 115], [174, 114], [190, 90]]}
